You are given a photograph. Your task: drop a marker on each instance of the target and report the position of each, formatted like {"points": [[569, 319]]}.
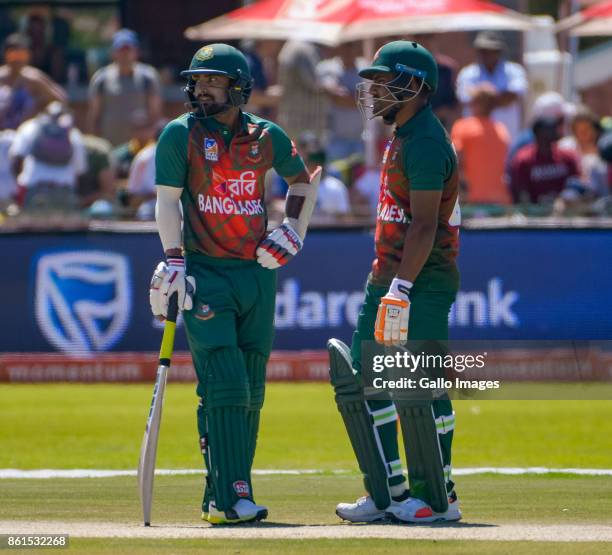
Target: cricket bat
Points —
{"points": [[148, 450]]}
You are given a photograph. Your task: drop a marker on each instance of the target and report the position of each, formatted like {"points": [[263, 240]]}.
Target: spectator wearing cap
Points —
{"points": [[482, 147], [24, 90], [540, 171], [508, 78], [550, 106], [119, 89]]}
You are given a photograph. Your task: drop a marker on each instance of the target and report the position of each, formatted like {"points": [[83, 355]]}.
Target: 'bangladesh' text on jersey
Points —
{"points": [[419, 157]]}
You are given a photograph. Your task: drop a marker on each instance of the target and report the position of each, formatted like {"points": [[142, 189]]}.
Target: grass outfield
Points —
{"points": [[101, 426]]}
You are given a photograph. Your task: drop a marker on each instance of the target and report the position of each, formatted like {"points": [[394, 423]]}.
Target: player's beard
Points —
{"points": [[212, 108]]}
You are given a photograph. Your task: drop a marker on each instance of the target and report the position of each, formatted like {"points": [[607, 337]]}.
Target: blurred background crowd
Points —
{"points": [[83, 100]]}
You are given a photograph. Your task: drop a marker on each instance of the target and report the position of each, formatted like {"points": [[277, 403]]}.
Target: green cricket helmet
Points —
{"points": [[222, 59], [412, 66], [404, 57]]}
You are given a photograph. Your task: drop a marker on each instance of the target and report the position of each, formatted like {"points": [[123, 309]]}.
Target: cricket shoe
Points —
{"points": [[414, 510], [363, 510], [243, 511]]}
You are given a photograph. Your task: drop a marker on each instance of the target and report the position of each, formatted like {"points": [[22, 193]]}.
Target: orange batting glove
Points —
{"points": [[391, 328]]}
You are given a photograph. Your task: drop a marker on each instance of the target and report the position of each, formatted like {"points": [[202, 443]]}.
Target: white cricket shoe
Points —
{"points": [[363, 510], [243, 511], [414, 511]]}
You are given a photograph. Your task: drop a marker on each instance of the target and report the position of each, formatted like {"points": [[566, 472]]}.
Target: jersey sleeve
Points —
{"points": [[286, 161], [427, 165], [171, 155]]}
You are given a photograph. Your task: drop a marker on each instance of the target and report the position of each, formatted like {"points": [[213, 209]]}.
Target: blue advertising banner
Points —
{"points": [[88, 292]]}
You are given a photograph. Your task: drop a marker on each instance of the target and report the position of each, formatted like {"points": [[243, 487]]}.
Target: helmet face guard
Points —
{"points": [[238, 92], [403, 88]]}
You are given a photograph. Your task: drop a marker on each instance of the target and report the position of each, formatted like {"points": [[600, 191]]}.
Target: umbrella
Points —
{"points": [[593, 21], [335, 21]]}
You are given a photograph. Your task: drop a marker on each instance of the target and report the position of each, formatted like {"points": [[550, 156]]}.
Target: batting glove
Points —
{"points": [[279, 247], [167, 279], [391, 328]]}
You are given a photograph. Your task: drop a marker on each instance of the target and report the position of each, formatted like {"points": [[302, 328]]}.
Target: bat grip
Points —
{"points": [[172, 308]]}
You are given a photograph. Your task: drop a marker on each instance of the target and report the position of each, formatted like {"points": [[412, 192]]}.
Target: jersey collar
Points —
{"points": [[414, 122]]}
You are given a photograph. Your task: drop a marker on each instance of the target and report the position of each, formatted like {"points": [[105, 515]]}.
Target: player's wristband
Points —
{"points": [[400, 288], [176, 261]]}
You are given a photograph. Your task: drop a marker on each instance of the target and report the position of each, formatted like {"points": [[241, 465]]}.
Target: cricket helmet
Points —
{"points": [[221, 59], [413, 66]]}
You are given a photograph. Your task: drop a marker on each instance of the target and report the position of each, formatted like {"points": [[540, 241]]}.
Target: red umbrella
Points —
{"points": [[593, 21], [335, 21]]}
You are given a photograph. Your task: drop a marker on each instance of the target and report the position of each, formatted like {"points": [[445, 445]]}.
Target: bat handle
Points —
{"points": [[172, 308]]}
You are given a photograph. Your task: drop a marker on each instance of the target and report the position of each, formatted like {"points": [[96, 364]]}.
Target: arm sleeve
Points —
{"points": [[427, 165], [168, 216], [171, 155], [287, 162]]}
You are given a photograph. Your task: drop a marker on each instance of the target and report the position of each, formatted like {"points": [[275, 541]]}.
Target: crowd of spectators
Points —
{"points": [[555, 161]]}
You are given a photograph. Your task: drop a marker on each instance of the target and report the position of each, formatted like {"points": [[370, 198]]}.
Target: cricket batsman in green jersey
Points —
{"points": [[409, 293], [221, 261]]}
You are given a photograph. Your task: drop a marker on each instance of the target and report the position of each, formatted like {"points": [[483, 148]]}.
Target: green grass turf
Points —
{"points": [[305, 499], [101, 426], [356, 546]]}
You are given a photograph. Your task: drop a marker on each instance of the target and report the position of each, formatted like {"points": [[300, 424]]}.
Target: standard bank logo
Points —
{"points": [[82, 299]]}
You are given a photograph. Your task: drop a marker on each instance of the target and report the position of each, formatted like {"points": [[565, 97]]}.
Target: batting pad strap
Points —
{"points": [[384, 416], [303, 196], [445, 424], [395, 468], [447, 473]]}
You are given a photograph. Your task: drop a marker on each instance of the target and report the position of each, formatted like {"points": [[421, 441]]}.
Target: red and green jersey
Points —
{"points": [[222, 177], [419, 157]]}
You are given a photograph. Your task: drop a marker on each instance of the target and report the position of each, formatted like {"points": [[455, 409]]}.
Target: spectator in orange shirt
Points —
{"points": [[482, 146]]}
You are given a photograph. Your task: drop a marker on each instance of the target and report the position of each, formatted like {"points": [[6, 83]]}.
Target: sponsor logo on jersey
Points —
{"points": [[241, 488], [211, 150], [243, 187], [204, 312], [82, 299]]}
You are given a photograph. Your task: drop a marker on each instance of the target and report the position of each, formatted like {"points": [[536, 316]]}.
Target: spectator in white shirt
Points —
{"points": [[47, 156], [333, 197], [508, 78], [141, 192]]}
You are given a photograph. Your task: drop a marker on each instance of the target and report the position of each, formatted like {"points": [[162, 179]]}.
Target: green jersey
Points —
{"points": [[222, 177], [419, 157]]}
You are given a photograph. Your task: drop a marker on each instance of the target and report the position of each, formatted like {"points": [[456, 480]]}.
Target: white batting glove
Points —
{"points": [[279, 247], [167, 279], [391, 328]]}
